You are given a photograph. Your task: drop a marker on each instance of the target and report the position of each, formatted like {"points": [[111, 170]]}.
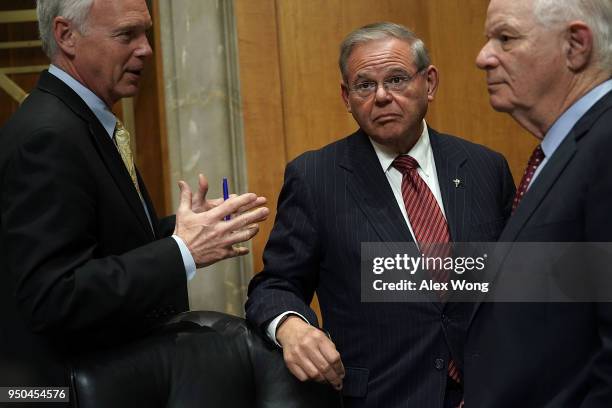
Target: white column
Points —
{"points": [[205, 126]]}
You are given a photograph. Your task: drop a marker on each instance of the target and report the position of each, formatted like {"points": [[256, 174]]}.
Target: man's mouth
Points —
{"points": [[494, 83], [136, 72], [386, 117]]}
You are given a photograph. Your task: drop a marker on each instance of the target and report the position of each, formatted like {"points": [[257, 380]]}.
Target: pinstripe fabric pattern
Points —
{"points": [[332, 200]]}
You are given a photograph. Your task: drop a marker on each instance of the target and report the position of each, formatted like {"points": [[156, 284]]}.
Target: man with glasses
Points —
{"points": [[393, 180]]}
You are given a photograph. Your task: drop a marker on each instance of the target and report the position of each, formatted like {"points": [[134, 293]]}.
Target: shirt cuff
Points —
{"points": [[190, 267], [271, 330]]}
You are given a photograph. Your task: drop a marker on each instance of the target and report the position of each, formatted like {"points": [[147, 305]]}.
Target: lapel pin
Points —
{"points": [[457, 182]]}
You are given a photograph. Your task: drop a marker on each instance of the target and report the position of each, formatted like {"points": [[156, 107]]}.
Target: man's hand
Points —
{"points": [[309, 354], [210, 238]]}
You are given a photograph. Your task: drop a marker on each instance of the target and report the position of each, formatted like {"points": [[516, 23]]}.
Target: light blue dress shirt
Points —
{"points": [[564, 124], [108, 121]]}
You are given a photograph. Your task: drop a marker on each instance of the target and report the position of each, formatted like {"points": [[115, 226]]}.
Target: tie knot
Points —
{"points": [[405, 163], [121, 133]]}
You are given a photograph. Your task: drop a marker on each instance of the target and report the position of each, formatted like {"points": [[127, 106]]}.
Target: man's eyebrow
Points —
{"points": [[396, 70], [498, 26], [390, 71], [132, 27]]}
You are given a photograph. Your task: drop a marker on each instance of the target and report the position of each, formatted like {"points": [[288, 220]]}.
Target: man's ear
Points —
{"points": [[432, 82], [345, 95], [65, 35], [579, 45]]}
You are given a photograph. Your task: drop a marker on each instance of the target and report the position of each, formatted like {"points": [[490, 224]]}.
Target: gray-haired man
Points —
{"points": [[84, 260], [549, 64], [352, 191]]}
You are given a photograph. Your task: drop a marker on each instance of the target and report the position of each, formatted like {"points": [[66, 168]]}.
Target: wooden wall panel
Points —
{"points": [[290, 79], [262, 106]]}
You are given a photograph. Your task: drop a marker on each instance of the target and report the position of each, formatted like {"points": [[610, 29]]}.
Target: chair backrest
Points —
{"points": [[197, 359]]}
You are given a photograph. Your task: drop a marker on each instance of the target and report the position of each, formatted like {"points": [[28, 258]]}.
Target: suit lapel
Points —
{"points": [[449, 159], [530, 202], [103, 143], [539, 189], [454, 183], [369, 186], [147, 199]]}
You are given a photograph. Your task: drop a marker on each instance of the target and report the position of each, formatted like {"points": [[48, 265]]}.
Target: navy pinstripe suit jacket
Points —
{"points": [[337, 197]]}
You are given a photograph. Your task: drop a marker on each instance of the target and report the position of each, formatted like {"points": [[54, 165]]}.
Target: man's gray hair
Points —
{"points": [[597, 14], [73, 10], [380, 31]]}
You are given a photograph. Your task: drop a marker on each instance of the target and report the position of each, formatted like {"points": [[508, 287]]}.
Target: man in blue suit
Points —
{"points": [[549, 66], [354, 191]]}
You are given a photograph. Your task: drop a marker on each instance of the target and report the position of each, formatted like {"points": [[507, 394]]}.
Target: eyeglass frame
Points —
{"points": [[385, 84]]}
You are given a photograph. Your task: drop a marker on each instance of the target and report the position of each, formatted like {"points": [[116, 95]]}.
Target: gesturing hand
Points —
{"points": [[210, 238], [309, 354]]}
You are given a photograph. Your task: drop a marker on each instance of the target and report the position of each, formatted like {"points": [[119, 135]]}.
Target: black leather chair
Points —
{"points": [[196, 359]]}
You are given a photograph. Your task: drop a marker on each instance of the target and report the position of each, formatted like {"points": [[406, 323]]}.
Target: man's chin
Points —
{"points": [[499, 104], [129, 90]]}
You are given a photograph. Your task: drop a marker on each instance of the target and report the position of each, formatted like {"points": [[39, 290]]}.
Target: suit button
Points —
{"points": [[445, 320], [439, 364]]}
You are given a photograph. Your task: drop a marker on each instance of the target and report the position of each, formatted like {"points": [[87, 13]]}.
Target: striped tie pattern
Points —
{"points": [[532, 165], [122, 141], [427, 221]]}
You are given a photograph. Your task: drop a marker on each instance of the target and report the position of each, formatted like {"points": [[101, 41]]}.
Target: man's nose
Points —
{"points": [[486, 58], [144, 48], [382, 94]]}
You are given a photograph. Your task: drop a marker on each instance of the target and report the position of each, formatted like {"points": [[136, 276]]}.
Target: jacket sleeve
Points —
{"points": [[291, 257]]}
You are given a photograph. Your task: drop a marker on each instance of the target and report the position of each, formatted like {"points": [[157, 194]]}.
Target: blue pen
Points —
{"points": [[225, 195]]}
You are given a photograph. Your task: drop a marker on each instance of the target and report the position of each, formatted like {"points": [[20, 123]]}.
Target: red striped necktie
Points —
{"points": [[427, 221]]}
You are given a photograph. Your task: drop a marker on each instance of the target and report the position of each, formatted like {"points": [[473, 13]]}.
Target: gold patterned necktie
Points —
{"points": [[122, 141]]}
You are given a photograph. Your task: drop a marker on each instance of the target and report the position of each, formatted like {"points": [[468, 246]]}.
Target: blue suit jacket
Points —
{"points": [[332, 200]]}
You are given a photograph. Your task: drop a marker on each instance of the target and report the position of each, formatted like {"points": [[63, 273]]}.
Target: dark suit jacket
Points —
{"points": [[332, 200], [549, 355], [80, 266]]}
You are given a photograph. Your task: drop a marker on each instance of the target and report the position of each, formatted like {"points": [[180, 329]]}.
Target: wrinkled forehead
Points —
{"points": [[117, 12], [380, 55], [512, 13]]}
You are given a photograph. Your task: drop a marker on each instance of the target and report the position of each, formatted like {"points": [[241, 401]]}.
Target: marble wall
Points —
{"points": [[204, 125]]}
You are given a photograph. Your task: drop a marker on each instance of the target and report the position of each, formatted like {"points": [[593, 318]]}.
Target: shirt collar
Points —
{"points": [[97, 106], [562, 126], [421, 152]]}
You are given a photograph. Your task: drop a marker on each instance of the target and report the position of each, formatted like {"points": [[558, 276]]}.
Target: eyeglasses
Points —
{"points": [[394, 84]]}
